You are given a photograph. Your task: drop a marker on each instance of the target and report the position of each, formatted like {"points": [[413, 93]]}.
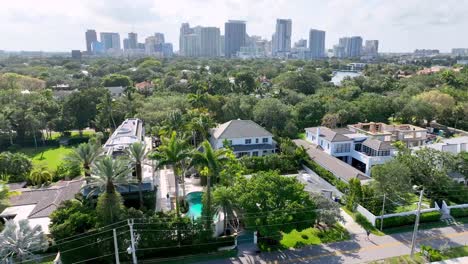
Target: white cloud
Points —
{"points": [[400, 25]]}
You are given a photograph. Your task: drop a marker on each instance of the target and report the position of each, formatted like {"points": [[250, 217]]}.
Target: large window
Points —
{"points": [[248, 141], [342, 148], [256, 141], [265, 140]]}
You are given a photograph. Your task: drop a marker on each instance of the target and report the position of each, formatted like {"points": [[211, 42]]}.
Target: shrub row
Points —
{"points": [[459, 212], [280, 162], [397, 221], [326, 175]]}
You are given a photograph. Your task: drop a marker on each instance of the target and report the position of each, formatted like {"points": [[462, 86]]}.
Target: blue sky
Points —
{"points": [[400, 25]]}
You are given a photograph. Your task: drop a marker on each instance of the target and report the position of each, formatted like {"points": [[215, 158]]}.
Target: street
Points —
{"points": [[358, 249]]}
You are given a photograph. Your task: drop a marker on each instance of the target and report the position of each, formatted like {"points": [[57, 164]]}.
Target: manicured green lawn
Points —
{"points": [[50, 157], [313, 236]]}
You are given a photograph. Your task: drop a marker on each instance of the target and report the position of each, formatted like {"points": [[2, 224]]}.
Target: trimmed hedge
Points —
{"points": [[397, 221], [326, 175], [280, 162], [459, 212]]}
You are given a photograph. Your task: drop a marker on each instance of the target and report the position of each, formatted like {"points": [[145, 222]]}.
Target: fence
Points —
{"points": [[446, 208], [372, 218]]}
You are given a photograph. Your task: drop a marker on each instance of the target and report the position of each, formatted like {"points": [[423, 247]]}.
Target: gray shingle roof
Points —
{"points": [[377, 144], [47, 199], [339, 168], [332, 135], [239, 129]]}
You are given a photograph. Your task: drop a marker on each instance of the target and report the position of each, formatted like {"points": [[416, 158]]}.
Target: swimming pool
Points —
{"points": [[194, 200]]}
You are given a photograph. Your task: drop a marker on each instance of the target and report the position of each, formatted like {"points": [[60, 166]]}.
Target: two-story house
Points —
{"points": [[245, 137], [358, 150]]}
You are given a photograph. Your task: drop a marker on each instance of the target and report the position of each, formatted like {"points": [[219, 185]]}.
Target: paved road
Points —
{"points": [[358, 250]]}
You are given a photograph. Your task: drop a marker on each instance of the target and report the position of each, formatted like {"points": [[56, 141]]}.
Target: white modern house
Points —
{"points": [[357, 149], [452, 145], [245, 137]]}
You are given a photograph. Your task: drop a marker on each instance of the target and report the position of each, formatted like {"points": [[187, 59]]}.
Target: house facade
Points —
{"points": [[412, 136], [359, 150], [245, 137]]}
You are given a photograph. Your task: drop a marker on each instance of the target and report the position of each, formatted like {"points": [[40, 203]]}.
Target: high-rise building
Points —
{"points": [[209, 42], [132, 40], [317, 43], [159, 38], [301, 43], [339, 51], [234, 37], [282, 37], [355, 47], [110, 41], [221, 45], [184, 30], [76, 54], [91, 37], [371, 48], [352, 46], [150, 45], [191, 46]]}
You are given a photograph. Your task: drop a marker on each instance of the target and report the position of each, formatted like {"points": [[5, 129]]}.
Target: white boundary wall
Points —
{"points": [[372, 218]]}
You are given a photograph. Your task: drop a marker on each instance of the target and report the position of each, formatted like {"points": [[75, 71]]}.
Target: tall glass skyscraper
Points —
{"points": [[234, 37], [317, 43]]}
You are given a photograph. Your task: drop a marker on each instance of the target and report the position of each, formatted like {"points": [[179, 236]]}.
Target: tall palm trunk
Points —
{"points": [[140, 184], [176, 182], [208, 202]]}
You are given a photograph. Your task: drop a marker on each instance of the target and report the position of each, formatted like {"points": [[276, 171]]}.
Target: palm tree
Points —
{"points": [[40, 175], [209, 163], [107, 172], [137, 153], [201, 125], [19, 241], [172, 152], [85, 154], [224, 200]]}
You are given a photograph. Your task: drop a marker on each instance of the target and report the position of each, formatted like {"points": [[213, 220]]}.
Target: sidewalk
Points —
{"points": [[359, 250], [348, 222]]}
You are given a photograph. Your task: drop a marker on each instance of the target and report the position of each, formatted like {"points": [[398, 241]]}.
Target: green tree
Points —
{"points": [[40, 175], [224, 201], [309, 112], [274, 203], [106, 173], [172, 152], [137, 153], [19, 242], [209, 162], [272, 114], [305, 81], [354, 196], [16, 166], [245, 82], [85, 154], [71, 218], [114, 80], [392, 179]]}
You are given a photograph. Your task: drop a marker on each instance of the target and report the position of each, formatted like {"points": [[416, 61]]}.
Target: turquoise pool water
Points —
{"points": [[194, 200]]}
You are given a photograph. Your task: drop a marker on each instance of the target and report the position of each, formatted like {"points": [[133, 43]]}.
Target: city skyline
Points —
{"points": [[400, 26]]}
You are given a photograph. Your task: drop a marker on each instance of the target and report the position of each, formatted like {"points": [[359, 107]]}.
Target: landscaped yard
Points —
{"points": [[50, 157], [313, 236]]}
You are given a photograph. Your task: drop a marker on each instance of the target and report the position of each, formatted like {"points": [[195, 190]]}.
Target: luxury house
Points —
{"points": [[356, 149], [245, 137], [37, 205]]}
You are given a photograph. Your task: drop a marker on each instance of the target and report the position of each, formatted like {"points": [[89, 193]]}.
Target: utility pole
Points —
{"points": [[132, 239], [416, 224], [383, 212], [116, 247]]}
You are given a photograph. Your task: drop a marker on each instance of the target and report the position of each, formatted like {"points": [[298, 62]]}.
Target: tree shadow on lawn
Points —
{"points": [[325, 253]]}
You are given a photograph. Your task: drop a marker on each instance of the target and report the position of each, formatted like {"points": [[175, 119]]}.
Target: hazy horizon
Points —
{"points": [[400, 26]]}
